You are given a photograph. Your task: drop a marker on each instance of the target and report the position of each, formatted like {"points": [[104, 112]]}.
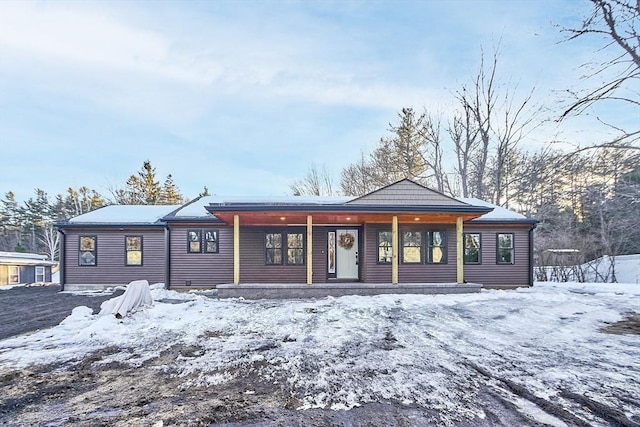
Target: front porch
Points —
{"points": [[297, 291]]}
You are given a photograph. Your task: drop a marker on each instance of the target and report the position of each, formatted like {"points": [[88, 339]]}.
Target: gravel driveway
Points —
{"points": [[25, 309]]}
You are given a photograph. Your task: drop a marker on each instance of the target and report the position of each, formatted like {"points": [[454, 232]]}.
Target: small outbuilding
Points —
{"points": [[19, 268]]}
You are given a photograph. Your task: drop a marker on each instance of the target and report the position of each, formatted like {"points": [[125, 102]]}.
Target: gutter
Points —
{"points": [[63, 258], [167, 255]]}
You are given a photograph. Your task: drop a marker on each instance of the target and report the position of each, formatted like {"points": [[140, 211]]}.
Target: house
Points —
{"points": [[19, 268], [403, 233]]}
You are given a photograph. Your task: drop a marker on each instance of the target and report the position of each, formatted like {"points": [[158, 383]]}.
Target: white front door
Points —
{"points": [[347, 254]]}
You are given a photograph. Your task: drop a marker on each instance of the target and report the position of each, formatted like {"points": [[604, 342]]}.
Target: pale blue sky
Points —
{"points": [[244, 96]]}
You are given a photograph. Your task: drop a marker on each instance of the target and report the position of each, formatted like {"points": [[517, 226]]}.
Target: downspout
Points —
{"points": [[531, 260], [63, 255], [167, 256]]}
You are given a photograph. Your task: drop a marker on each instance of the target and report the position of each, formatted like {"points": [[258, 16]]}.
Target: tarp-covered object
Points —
{"points": [[137, 294]]}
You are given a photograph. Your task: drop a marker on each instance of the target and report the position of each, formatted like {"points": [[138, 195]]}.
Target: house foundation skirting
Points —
{"points": [[287, 291]]}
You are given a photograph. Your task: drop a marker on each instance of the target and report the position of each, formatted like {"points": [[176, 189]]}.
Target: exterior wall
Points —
{"points": [[27, 274], [489, 272], [110, 269], [319, 255], [409, 273], [201, 269], [252, 258], [209, 270]]}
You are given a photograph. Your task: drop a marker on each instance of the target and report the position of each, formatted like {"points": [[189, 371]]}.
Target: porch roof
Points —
{"points": [[290, 214]]}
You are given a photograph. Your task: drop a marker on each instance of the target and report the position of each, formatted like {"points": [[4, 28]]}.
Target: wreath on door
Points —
{"points": [[346, 240]]}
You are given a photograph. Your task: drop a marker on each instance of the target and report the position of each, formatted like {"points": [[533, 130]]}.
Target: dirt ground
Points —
{"points": [[93, 393], [29, 308]]}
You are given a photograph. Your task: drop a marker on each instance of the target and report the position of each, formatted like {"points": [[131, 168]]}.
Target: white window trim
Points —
{"points": [[40, 268], [11, 274]]}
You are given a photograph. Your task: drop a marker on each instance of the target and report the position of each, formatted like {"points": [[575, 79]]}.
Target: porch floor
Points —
{"points": [[321, 290]]}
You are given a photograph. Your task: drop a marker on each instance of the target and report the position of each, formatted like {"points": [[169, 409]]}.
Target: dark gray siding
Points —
{"points": [[27, 274], [409, 273], [252, 259], [489, 273], [406, 193], [202, 269], [208, 270], [110, 268], [319, 255], [492, 274]]}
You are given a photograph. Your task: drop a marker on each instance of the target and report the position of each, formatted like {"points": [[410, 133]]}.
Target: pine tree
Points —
{"points": [[10, 215], [170, 194]]}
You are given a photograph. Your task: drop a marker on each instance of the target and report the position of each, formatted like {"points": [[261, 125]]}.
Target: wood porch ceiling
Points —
{"points": [[340, 218]]}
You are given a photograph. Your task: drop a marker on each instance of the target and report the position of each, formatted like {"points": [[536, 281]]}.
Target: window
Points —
{"points": [[40, 274], [88, 251], [437, 250], [505, 248], [14, 274], [295, 249], [384, 247], [211, 241], [472, 248], [411, 247], [194, 243], [133, 250], [273, 244], [291, 244], [199, 241]]}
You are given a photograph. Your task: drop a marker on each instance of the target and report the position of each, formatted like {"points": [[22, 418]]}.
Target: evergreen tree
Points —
{"points": [[205, 192], [143, 189], [170, 194]]}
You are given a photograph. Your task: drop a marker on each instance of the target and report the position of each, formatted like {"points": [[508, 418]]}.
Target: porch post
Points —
{"points": [[394, 251], [309, 250], [459, 251], [236, 249]]}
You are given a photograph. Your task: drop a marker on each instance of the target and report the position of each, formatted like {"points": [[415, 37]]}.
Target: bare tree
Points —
{"points": [[317, 182], [357, 179], [492, 121], [616, 77], [50, 238], [464, 134]]}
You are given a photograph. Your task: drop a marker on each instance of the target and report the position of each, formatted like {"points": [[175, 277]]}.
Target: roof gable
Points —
{"points": [[406, 192]]}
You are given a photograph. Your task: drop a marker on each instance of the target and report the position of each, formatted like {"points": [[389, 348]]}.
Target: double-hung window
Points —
{"points": [[278, 244], [40, 274], [437, 247], [505, 248], [472, 248], [88, 253], [133, 250], [194, 241], [14, 274], [411, 247]]}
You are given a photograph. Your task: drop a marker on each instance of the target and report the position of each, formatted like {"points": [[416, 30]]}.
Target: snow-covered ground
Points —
{"points": [[343, 352]]}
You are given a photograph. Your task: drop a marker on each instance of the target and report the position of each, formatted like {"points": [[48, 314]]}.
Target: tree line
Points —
{"points": [[586, 198], [30, 226]]}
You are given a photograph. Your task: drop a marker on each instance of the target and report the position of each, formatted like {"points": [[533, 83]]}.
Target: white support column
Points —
{"points": [[309, 250], [394, 251], [236, 249]]}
